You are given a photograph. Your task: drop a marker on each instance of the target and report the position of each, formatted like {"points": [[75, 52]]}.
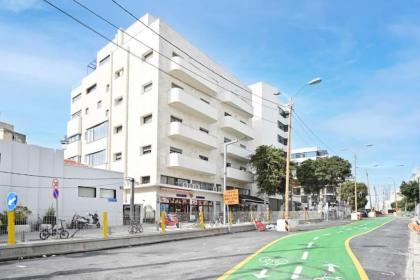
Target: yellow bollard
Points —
{"points": [[202, 226], [252, 217], [162, 221], [268, 215], [230, 217], [105, 224], [11, 237]]}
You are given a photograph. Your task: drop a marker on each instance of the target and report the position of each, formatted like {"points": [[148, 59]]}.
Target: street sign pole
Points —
{"points": [[55, 185]]}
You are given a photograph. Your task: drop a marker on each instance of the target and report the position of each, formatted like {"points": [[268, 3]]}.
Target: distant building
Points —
{"points": [[302, 154], [8, 133], [30, 170]]}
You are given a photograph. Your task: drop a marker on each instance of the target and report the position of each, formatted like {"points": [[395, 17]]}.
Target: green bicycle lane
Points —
{"points": [[318, 255]]}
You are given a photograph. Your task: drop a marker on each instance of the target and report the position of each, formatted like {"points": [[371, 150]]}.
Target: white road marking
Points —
{"points": [[297, 272], [327, 234], [305, 255], [316, 238], [331, 267], [310, 245], [21, 266], [261, 274]]}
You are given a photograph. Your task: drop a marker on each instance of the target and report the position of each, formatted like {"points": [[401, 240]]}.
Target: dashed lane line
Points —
{"points": [[297, 272], [305, 255]]}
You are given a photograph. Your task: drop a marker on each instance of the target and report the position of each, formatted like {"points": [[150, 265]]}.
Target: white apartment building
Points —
{"points": [[162, 119], [29, 171]]}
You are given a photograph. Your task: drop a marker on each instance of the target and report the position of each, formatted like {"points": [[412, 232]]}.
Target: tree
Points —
{"points": [[403, 203], [314, 175], [410, 190], [347, 194], [270, 167]]}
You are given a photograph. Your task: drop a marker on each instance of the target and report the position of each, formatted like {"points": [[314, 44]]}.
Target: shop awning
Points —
{"points": [[250, 198]]}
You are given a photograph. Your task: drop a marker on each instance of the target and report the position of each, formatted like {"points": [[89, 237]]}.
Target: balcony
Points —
{"points": [[181, 100], [182, 162], [239, 175], [186, 72], [182, 132], [234, 126], [74, 126], [237, 152], [236, 102], [73, 149]]}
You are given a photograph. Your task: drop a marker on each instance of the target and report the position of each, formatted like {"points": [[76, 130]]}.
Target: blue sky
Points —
{"points": [[367, 52]]}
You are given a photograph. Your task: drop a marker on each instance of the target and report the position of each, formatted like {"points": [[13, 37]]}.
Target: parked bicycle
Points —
{"points": [[135, 227], [54, 231]]}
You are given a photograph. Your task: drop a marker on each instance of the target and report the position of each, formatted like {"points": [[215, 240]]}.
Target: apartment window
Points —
{"points": [[147, 119], [175, 119], [90, 89], [145, 179], [76, 98], [205, 101], [281, 140], [204, 130], [226, 140], [242, 146], [118, 129], [242, 122], [117, 156], [173, 181], [174, 54], [108, 193], [147, 87], [203, 157], [173, 150], [87, 192], [86, 111], [73, 138], [228, 164], [227, 114], [283, 113], [148, 55], [97, 158], [118, 100], [97, 132], [176, 86], [77, 114], [242, 168], [119, 73], [106, 112], [75, 158], [282, 126], [104, 60], [99, 104], [107, 88], [146, 149]]}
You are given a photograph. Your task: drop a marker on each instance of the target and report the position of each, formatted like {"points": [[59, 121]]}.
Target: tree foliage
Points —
{"points": [[347, 194], [269, 164], [410, 190], [313, 175]]}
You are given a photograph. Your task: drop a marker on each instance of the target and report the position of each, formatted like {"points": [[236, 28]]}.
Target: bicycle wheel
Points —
{"points": [[44, 234], [139, 228], [131, 230], [64, 234]]}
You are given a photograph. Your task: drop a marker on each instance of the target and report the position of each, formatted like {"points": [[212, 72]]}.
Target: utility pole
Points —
{"points": [[376, 198], [131, 201], [355, 183], [369, 193], [225, 146], [289, 142]]}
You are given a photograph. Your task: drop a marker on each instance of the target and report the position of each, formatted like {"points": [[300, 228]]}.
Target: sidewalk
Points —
{"points": [[413, 262]]}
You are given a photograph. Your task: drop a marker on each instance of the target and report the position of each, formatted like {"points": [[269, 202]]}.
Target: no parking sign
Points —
{"points": [[55, 185]]}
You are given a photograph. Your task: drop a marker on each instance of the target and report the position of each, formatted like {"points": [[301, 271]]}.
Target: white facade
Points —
{"points": [[29, 171], [164, 130], [8, 133]]}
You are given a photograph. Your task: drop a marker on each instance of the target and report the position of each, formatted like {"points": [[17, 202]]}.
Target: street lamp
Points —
{"points": [[289, 141]]}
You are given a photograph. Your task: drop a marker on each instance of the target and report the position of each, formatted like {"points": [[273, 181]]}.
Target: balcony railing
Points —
{"points": [[234, 126], [182, 132], [180, 161], [237, 102]]}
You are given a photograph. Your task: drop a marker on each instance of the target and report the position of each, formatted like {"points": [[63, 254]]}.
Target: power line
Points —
{"points": [[55, 177], [39, 187], [308, 139], [178, 48], [159, 53]]}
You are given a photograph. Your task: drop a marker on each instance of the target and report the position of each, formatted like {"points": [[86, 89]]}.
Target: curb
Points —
{"points": [[94, 244]]}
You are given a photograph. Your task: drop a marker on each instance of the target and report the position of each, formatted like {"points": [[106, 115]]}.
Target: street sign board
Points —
{"points": [[231, 197], [55, 183], [12, 200], [56, 193]]}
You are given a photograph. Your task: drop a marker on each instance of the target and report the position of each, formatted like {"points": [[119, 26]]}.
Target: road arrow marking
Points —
{"points": [[316, 238], [305, 255], [309, 245], [331, 267], [297, 272], [262, 274]]}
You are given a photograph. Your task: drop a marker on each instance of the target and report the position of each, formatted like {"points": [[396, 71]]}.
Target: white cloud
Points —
{"points": [[18, 6]]}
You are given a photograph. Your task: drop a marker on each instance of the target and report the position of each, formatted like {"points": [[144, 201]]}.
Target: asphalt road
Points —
{"points": [[383, 253], [201, 258]]}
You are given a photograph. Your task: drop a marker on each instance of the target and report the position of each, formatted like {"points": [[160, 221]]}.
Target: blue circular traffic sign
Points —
{"points": [[12, 200], [55, 193]]}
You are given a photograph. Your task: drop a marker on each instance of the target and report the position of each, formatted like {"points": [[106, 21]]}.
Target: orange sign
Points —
{"points": [[231, 197]]}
